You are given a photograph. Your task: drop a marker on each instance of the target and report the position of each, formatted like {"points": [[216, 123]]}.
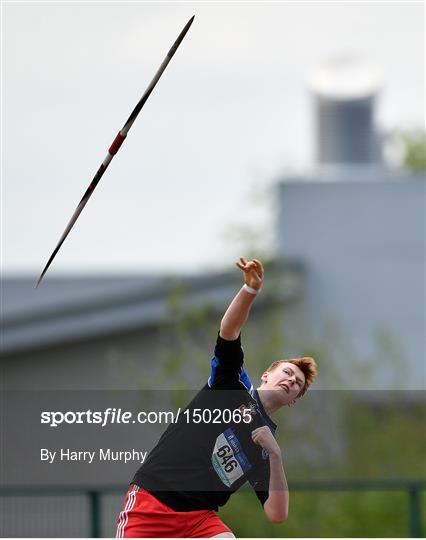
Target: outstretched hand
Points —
{"points": [[253, 272]]}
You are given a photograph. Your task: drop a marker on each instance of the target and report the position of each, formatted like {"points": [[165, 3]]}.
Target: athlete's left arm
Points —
{"points": [[276, 505]]}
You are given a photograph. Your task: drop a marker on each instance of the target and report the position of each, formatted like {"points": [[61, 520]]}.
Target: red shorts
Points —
{"points": [[144, 516]]}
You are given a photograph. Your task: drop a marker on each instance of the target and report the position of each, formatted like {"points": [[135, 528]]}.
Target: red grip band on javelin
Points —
{"points": [[118, 141]]}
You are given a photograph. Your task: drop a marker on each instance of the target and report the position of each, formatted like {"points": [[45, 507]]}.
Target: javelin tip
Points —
{"points": [[188, 24]]}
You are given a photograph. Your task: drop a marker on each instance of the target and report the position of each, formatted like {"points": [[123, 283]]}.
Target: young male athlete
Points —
{"points": [[202, 459]]}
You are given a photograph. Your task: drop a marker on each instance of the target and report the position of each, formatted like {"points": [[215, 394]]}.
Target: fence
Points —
{"points": [[89, 510]]}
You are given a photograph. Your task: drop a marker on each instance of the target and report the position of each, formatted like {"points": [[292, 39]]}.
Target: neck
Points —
{"points": [[270, 404]]}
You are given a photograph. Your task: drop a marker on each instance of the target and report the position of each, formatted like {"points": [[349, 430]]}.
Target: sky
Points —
{"points": [[231, 114]]}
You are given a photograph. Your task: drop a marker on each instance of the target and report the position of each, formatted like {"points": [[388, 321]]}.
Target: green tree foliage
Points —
{"points": [[323, 514], [414, 144]]}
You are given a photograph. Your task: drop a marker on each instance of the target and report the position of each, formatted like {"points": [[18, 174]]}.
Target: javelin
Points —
{"points": [[116, 145]]}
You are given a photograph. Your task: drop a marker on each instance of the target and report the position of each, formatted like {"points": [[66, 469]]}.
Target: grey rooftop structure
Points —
{"points": [[69, 309]]}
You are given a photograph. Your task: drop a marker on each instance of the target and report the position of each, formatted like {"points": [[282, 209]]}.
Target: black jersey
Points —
{"points": [[198, 465]]}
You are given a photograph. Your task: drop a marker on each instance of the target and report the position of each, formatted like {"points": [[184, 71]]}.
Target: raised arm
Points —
{"points": [[238, 310]]}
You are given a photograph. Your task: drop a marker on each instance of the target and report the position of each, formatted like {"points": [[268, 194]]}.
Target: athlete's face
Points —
{"points": [[287, 379]]}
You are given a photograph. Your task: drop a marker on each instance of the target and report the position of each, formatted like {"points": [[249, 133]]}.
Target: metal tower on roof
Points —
{"points": [[345, 90]]}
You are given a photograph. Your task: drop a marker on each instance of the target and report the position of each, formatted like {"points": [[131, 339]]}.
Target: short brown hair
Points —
{"points": [[306, 364]]}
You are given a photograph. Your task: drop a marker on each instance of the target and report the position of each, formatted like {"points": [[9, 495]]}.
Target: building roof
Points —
{"points": [[77, 308]]}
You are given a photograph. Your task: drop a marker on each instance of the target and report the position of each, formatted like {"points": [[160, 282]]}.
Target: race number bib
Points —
{"points": [[228, 459]]}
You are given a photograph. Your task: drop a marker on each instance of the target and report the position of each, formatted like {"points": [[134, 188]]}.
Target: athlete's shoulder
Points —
{"points": [[220, 377]]}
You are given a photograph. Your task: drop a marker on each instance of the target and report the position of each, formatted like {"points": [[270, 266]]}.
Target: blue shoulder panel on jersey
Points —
{"points": [[244, 378], [214, 364]]}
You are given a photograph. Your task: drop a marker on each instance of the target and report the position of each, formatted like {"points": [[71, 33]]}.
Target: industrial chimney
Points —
{"points": [[345, 91]]}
